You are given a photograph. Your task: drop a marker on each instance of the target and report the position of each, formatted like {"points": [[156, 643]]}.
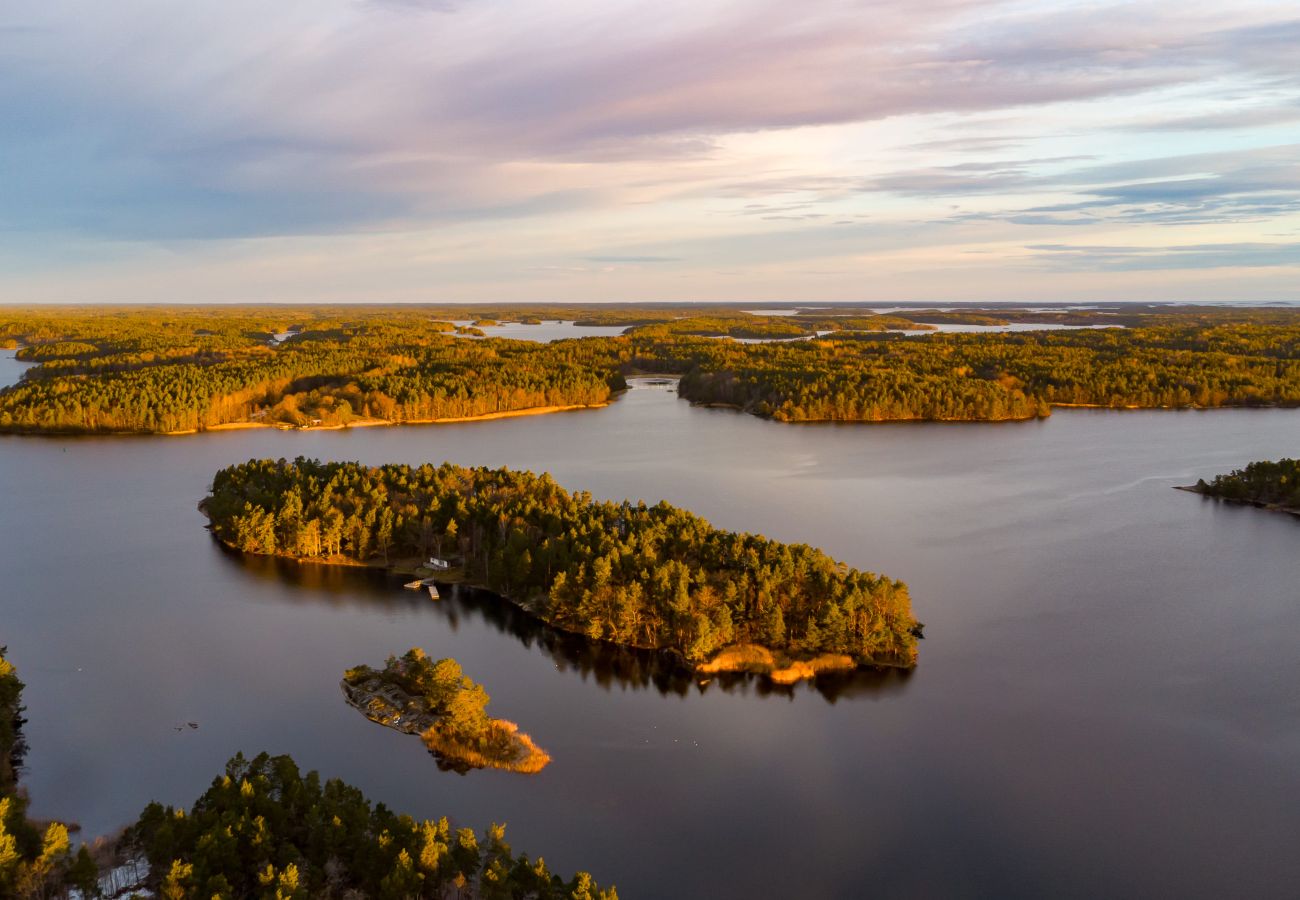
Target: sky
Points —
{"points": [[604, 150]]}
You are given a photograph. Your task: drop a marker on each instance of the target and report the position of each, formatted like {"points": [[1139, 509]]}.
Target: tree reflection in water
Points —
{"points": [[608, 665]]}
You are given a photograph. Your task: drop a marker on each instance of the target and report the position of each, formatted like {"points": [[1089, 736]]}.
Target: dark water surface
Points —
{"points": [[1108, 700], [11, 368]]}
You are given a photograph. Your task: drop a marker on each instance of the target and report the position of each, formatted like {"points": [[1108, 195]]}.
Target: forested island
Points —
{"points": [[1272, 485], [647, 576], [416, 695], [179, 370], [263, 829]]}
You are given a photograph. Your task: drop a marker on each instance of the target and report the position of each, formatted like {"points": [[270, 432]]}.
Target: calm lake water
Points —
{"points": [[11, 369], [559, 330], [1106, 703], [547, 331]]}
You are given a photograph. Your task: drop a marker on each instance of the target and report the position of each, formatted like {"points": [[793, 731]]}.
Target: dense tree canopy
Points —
{"points": [[651, 576], [1270, 483], [447, 708], [996, 376], [457, 700], [140, 373], [11, 721], [264, 829]]}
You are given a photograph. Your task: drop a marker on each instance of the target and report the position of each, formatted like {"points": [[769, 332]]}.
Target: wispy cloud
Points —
{"points": [[1233, 119], [633, 260], [1068, 257]]}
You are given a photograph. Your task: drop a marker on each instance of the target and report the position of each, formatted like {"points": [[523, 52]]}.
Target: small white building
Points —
{"points": [[436, 563]]}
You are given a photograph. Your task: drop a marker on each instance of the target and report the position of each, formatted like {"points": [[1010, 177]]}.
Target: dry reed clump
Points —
{"points": [[759, 659], [808, 668], [740, 658], [502, 746]]}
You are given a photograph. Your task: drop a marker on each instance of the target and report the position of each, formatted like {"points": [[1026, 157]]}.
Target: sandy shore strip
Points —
{"points": [[372, 423], [508, 414]]}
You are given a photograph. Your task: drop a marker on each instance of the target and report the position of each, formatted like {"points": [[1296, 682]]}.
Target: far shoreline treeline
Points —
{"points": [[648, 576], [175, 370]]}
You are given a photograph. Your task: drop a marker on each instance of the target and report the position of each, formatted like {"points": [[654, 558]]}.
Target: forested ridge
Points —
{"points": [[650, 576], [1266, 482], [177, 370]]}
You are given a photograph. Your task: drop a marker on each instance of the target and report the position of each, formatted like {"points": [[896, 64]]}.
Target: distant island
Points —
{"points": [[415, 695], [1270, 485], [654, 577]]}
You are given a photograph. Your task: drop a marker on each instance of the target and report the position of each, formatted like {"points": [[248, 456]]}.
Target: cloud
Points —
{"points": [[983, 177], [741, 127], [633, 260], [524, 80], [1252, 185], [416, 5], [1067, 257], [1257, 117]]}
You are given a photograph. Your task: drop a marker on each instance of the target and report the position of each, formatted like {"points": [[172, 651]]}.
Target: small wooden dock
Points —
{"points": [[424, 583]]}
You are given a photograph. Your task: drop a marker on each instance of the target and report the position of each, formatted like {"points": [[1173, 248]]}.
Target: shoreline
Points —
{"points": [[1189, 408], [507, 414], [735, 658], [544, 410], [1258, 504], [759, 660], [912, 420], [359, 423], [909, 420]]}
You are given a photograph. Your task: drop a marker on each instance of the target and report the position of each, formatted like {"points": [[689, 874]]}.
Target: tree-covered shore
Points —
{"points": [[36, 859], [1274, 485], [178, 370], [638, 575]]}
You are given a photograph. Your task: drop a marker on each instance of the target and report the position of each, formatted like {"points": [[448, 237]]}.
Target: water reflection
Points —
{"points": [[607, 665]]}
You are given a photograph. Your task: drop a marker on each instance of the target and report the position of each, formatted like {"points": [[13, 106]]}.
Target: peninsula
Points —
{"points": [[415, 695], [1268, 485], [652, 577]]}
